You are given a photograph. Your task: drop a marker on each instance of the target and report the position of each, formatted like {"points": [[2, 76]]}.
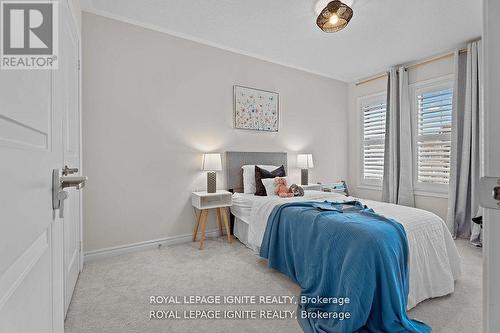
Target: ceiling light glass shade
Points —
{"points": [[335, 8]]}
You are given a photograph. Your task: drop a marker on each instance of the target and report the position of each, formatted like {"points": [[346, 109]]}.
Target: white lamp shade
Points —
{"points": [[305, 161], [212, 162]]}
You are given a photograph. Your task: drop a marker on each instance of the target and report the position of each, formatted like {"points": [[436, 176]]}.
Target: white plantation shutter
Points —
{"points": [[373, 140], [434, 110]]}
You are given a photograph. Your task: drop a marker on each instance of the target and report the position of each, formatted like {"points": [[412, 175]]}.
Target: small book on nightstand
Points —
{"points": [[340, 187]]}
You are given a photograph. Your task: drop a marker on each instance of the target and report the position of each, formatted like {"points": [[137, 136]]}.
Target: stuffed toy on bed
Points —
{"points": [[282, 188], [296, 190]]}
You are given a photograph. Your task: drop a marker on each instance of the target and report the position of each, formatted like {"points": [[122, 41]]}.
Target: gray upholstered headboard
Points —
{"points": [[236, 159]]}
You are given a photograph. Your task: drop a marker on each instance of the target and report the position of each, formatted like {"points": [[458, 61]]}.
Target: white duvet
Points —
{"points": [[434, 259]]}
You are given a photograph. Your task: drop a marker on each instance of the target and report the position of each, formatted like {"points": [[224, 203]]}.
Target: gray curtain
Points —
{"points": [[398, 160], [465, 170]]}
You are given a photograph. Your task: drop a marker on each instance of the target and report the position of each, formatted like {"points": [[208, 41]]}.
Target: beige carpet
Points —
{"points": [[112, 294]]}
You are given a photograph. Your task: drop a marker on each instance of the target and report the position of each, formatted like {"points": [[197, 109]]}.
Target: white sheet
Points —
{"points": [[242, 206], [434, 259], [240, 230]]}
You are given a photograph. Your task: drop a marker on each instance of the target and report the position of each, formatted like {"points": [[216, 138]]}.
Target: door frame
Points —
{"points": [[76, 22], [491, 136], [57, 232], [73, 10]]}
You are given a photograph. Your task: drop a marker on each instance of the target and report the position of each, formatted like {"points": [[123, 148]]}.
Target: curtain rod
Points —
{"points": [[417, 64]]}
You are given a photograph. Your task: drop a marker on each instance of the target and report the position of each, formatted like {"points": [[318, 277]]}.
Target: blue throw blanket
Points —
{"points": [[351, 265]]}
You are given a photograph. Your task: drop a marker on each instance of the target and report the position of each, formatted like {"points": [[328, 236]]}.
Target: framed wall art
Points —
{"points": [[256, 109]]}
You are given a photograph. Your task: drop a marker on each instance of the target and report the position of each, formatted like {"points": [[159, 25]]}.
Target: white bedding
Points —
{"points": [[434, 259], [242, 206]]}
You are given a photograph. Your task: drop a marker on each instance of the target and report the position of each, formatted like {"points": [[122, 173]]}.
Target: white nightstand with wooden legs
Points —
{"points": [[203, 201]]}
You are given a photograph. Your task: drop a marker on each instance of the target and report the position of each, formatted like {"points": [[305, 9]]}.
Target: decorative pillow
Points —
{"points": [[249, 176], [270, 185], [262, 174]]}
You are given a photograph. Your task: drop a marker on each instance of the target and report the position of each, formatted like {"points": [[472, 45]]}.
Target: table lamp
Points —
{"points": [[212, 162], [304, 162]]}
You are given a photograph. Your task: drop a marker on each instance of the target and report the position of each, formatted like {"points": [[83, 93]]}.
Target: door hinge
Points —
{"points": [[78, 64]]}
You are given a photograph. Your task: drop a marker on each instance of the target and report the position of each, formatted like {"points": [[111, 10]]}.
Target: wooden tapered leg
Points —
{"points": [[203, 227], [195, 230], [219, 222], [224, 213]]}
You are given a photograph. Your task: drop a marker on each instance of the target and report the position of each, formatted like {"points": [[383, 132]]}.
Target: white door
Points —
{"points": [[31, 233], [69, 98], [30, 147], [491, 42]]}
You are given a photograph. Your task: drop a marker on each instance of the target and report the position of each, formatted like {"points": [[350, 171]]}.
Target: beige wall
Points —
{"points": [[152, 103], [432, 70]]}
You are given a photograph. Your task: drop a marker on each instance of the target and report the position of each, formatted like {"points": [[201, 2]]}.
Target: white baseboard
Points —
{"points": [[141, 246]]}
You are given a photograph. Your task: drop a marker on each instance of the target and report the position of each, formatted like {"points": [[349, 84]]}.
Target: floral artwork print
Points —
{"points": [[256, 109]]}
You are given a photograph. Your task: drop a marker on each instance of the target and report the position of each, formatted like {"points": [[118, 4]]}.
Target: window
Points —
{"points": [[373, 110], [433, 111]]}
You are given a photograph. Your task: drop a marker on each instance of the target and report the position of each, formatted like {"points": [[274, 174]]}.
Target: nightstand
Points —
{"points": [[203, 201], [312, 187]]}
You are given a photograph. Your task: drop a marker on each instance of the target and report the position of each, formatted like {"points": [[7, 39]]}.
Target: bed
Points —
{"points": [[434, 262]]}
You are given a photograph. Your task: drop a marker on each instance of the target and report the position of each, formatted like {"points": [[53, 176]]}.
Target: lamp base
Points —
{"points": [[304, 176], [211, 182]]}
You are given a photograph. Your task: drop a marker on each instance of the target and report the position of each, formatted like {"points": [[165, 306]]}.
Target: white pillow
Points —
{"points": [[249, 176], [270, 185]]}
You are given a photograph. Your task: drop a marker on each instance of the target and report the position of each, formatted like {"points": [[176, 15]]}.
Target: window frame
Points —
{"points": [[362, 101], [416, 89]]}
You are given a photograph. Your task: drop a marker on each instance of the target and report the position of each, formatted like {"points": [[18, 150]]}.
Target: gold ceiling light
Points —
{"points": [[334, 17]]}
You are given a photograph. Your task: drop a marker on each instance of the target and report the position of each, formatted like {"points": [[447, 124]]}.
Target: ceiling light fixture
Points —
{"points": [[334, 17]]}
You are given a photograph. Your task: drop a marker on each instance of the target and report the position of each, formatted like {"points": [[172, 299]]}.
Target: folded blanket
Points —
{"points": [[351, 265]]}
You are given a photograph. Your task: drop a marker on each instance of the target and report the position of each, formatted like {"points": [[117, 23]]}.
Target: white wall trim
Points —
{"points": [[370, 187], [141, 246], [439, 80], [204, 42], [418, 193], [431, 194]]}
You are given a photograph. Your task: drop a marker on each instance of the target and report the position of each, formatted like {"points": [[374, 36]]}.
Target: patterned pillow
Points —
{"points": [[262, 174]]}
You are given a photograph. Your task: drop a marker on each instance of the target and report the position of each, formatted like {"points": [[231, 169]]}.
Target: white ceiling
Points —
{"points": [[381, 33]]}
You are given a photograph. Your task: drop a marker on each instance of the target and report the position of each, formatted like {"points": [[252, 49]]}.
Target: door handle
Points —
{"points": [[69, 171], [77, 182], [60, 182], [496, 193], [489, 192]]}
